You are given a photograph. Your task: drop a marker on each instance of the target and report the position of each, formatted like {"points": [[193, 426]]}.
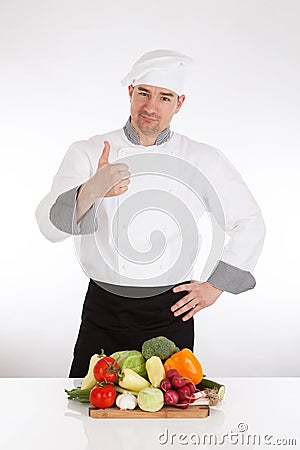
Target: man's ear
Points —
{"points": [[130, 91], [179, 103]]}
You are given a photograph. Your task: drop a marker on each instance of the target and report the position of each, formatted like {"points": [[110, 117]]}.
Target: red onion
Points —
{"points": [[171, 397], [183, 404], [165, 384], [191, 386], [171, 373], [184, 392], [192, 398], [178, 381]]}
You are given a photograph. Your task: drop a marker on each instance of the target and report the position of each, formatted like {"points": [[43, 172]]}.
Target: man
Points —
{"points": [[140, 286]]}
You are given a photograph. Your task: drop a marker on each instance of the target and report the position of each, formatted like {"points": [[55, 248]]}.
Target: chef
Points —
{"points": [[135, 200]]}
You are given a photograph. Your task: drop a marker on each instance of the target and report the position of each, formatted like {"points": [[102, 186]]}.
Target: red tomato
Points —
{"points": [[106, 369], [103, 396]]}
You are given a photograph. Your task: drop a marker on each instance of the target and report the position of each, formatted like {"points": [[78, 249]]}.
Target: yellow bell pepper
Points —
{"points": [[132, 381]]}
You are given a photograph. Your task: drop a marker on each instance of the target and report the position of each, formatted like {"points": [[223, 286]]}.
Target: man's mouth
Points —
{"points": [[148, 118]]}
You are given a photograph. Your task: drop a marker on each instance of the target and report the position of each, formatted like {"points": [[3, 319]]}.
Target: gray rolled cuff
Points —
{"points": [[63, 215], [231, 279]]}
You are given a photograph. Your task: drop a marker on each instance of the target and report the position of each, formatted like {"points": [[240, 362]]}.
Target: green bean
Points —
{"points": [[81, 394]]}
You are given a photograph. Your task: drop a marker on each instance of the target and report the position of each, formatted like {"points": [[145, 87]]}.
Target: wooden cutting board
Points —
{"points": [[167, 412]]}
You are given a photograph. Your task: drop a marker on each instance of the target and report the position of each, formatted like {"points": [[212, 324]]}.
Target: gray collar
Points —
{"points": [[133, 137]]}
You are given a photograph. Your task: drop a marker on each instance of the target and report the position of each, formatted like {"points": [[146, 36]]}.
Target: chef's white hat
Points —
{"points": [[163, 68]]}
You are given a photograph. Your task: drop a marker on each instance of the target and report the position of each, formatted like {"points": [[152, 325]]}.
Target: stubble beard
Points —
{"points": [[147, 129]]}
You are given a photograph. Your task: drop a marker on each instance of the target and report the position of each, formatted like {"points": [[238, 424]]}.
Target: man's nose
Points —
{"points": [[151, 105]]}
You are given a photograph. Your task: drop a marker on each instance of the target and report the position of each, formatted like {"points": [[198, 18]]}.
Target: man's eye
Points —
{"points": [[165, 99], [143, 94]]}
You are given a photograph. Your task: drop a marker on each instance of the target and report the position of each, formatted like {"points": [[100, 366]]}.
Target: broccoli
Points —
{"points": [[159, 346]]}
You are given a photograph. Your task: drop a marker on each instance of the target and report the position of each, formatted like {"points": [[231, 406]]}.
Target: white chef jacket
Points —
{"points": [[122, 242]]}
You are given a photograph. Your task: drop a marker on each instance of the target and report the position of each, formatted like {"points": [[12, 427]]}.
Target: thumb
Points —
{"points": [[105, 154]]}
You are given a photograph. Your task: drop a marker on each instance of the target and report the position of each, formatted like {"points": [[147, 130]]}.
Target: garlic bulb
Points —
{"points": [[126, 401]]}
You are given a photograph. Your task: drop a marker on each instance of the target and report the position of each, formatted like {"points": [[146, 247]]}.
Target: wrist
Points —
{"points": [[85, 193], [210, 286]]}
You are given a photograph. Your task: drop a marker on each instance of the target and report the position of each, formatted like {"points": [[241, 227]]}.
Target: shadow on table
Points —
{"points": [[148, 434]]}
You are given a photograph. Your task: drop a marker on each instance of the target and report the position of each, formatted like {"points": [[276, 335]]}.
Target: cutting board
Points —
{"points": [[167, 412]]}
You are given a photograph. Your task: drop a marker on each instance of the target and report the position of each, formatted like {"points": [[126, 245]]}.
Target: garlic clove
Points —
{"points": [[126, 401]]}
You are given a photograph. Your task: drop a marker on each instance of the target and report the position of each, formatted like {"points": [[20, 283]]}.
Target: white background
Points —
{"points": [[61, 65]]}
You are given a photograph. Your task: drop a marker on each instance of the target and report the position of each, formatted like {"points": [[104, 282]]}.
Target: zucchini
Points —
{"points": [[210, 384]]}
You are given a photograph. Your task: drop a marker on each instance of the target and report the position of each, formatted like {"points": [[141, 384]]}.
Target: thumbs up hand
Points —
{"points": [[105, 155], [110, 179]]}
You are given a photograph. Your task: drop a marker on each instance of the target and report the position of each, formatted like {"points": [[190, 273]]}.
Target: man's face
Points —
{"points": [[152, 108]]}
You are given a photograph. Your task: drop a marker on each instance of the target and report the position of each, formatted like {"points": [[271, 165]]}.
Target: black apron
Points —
{"points": [[115, 322]]}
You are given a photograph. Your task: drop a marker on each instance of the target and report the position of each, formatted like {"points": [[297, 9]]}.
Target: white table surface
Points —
{"points": [[36, 415]]}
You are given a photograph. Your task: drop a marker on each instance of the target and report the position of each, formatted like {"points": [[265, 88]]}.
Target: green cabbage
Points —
{"points": [[131, 359], [150, 399]]}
